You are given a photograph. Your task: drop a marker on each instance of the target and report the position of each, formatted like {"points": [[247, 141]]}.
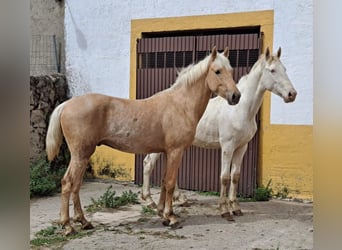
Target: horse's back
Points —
{"points": [[96, 119]]}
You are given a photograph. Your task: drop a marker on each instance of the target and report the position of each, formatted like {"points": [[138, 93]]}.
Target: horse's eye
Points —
{"points": [[272, 70], [217, 72]]}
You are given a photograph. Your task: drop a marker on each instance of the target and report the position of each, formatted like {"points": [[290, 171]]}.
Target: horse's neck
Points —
{"points": [[194, 97], [252, 92]]}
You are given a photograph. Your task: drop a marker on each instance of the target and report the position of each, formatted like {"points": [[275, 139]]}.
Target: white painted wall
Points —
{"points": [[97, 37]]}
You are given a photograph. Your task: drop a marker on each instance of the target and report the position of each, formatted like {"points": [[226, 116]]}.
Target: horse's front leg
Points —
{"points": [[225, 179], [235, 176], [173, 160], [149, 164]]}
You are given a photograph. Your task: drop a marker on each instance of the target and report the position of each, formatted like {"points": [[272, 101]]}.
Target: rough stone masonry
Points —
{"points": [[46, 92]]}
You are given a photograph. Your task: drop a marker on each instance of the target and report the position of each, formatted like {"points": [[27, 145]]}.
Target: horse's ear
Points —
{"points": [[267, 53], [226, 52], [214, 53], [279, 52]]}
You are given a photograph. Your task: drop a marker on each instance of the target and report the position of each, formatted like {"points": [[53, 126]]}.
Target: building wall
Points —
{"points": [[47, 19], [100, 46]]}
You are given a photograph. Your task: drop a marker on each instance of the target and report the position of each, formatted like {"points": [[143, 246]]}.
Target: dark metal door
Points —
{"points": [[158, 59]]}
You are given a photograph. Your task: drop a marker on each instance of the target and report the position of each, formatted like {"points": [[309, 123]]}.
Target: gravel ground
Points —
{"points": [[274, 224]]}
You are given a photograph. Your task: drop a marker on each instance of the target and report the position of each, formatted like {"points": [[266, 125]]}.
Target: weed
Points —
{"points": [[209, 193], [109, 200], [148, 211], [44, 179], [114, 173], [143, 219], [47, 231], [263, 193], [246, 199], [107, 168], [283, 193], [45, 176], [53, 234]]}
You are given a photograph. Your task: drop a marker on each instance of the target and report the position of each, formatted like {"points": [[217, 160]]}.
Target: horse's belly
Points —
{"points": [[206, 143], [133, 146], [130, 139], [206, 136]]}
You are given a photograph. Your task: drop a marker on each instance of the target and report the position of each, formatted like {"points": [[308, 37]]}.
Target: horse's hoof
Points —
{"points": [[152, 205], [238, 212], [176, 225], [69, 230], [227, 216], [87, 226], [166, 222]]}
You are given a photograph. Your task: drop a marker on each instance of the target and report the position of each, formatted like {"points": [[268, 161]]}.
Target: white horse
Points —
{"points": [[232, 127]]}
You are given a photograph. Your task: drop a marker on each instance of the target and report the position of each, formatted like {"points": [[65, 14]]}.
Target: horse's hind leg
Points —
{"points": [[235, 175], [71, 183], [180, 197], [149, 164], [78, 212], [65, 196]]}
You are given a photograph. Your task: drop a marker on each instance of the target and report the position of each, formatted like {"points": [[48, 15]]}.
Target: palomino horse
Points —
{"points": [[232, 127], [165, 122]]}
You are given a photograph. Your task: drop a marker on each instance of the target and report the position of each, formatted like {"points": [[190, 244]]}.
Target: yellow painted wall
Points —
{"points": [[285, 151], [286, 156], [120, 164]]}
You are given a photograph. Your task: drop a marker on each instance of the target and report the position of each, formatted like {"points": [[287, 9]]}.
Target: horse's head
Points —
{"points": [[275, 79], [220, 77]]}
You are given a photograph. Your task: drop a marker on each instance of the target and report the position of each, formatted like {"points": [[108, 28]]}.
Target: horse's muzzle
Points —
{"points": [[234, 98], [291, 96]]}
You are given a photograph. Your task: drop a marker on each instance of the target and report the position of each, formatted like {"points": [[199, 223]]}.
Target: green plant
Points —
{"points": [[209, 193], [45, 176], [283, 193], [113, 172], [47, 231], [44, 180], [246, 199], [148, 210], [53, 235], [109, 200], [263, 193]]}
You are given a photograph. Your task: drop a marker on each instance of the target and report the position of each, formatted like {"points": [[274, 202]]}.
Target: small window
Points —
{"points": [[151, 60], [253, 57], [233, 58], [169, 59], [201, 55], [160, 59], [143, 61], [187, 58], [242, 58], [179, 62]]}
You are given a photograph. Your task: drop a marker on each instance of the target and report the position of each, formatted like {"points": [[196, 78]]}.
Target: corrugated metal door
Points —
{"points": [[158, 59]]}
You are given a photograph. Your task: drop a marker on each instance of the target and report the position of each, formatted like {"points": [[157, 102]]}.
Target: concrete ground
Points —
{"points": [[265, 225]]}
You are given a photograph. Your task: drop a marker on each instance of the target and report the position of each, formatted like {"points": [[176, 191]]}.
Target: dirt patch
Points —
{"points": [[264, 225]]}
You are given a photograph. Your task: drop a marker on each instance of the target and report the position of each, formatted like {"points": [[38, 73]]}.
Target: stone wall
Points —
{"points": [[46, 92]]}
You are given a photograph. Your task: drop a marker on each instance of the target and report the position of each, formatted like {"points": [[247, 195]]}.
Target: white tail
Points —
{"points": [[54, 136]]}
